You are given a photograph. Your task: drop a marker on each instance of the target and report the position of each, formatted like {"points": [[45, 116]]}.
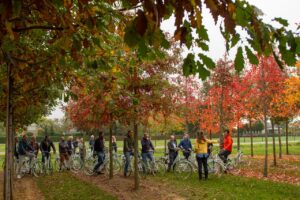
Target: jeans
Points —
{"points": [[45, 155], [172, 157], [224, 155], [101, 157], [127, 161], [186, 155], [146, 155], [202, 161]]}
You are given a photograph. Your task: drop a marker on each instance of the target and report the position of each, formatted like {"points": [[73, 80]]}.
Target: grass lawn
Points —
{"points": [[63, 186], [231, 187]]}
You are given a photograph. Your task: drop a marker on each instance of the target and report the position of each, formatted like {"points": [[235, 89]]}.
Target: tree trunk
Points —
{"points": [[266, 146], [251, 138], [8, 170], [274, 144], [111, 163], [238, 138], [287, 136], [210, 135], [136, 152], [221, 138], [279, 141]]}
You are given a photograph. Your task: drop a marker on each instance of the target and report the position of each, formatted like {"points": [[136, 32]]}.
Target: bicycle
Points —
{"points": [[30, 167], [181, 167], [153, 167], [47, 168], [91, 161], [130, 170]]}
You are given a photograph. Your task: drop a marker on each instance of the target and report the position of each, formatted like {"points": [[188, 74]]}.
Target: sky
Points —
{"points": [[287, 9]]}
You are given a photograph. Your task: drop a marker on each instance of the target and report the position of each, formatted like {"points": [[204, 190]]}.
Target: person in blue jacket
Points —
{"points": [[186, 146]]}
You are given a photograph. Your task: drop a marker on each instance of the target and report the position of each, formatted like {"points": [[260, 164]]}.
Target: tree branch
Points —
{"points": [[37, 27]]}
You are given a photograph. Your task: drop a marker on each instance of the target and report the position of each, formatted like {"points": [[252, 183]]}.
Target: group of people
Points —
{"points": [[202, 148], [25, 148]]}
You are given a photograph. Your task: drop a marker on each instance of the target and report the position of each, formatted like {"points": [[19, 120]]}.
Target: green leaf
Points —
{"points": [[208, 62], [131, 37], [189, 66], [235, 40], [203, 46], [202, 33], [203, 72], [135, 101], [282, 21], [252, 58], [239, 60]]}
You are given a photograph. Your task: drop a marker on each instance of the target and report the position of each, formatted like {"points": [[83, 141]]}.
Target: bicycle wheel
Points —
{"points": [[89, 166], [159, 168], [76, 164], [57, 165], [37, 168], [143, 169], [211, 166], [219, 170], [183, 169]]}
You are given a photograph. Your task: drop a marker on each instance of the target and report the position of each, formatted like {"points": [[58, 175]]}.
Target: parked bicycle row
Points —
{"points": [[95, 160]]}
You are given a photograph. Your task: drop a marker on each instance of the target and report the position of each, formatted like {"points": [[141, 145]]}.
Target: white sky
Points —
{"points": [[287, 9]]}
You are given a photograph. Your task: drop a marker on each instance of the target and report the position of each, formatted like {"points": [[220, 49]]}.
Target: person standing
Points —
{"points": [[63, 153], [82, 150], [92, 142], [186, 146], [24, 150], [114, 144], [173, 151], [35, 146], [201, 149], [99, 151], [147, 149], [70, 145], [227, 147], [128, 149], [45, 148]]}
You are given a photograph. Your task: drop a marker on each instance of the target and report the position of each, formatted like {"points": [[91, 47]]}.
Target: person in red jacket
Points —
{"points": [[227, 147]]}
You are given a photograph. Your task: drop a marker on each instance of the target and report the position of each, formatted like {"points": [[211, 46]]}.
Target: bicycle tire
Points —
{"points": [[183, 169], [88, 168], [160, 168]]}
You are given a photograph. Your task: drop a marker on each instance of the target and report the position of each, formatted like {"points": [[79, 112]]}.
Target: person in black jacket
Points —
{"points": [[70, 145], [147, 149], [114, 144], [24, 150], [99, 151], [45, 147], [173, 151], [128, 149]]}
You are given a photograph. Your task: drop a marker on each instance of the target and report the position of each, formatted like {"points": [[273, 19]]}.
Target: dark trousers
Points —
{"points": [[224, 155], [202, 162], [172, 157], [186, 155]]}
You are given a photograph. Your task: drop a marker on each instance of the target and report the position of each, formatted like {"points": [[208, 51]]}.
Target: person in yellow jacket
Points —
{"points": [[201, 150]]}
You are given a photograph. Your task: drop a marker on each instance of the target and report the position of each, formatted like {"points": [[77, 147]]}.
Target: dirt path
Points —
{"points": [[24, 189], [122, 188]]}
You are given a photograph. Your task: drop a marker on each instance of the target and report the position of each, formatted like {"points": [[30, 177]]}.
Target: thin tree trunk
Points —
{"points": [[136, 151], [266, 146], [238, 138], [111, 163], [251, 138], [221, 139], [279, 141], [8, 170], [287, 136], [210, 135], [274, 144]]}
